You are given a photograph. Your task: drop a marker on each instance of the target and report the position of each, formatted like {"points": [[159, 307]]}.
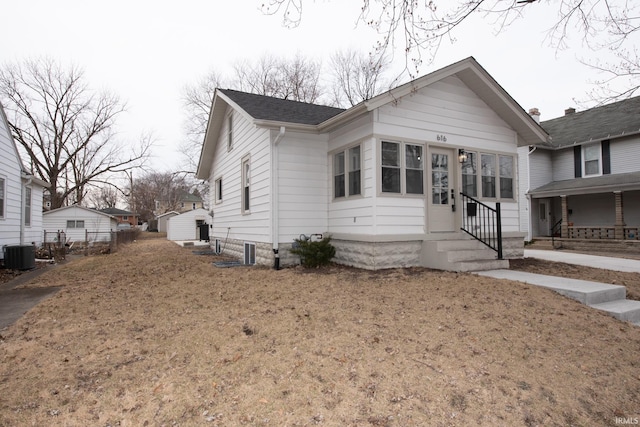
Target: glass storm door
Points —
{"points": [[442, 194]]}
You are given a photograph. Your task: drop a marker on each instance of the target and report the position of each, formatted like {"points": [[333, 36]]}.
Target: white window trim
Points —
{"points": [[229, 132], [243, 178], [583, 159], [347, 170], [28, 191], [217, 189], [514, 174], [403, 169], [247, 253]]}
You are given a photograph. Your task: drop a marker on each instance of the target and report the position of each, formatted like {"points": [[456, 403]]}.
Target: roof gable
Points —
{"points": [[94, 211], [620, 118]]}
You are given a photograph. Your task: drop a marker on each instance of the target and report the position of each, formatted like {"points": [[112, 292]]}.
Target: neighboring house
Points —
{"points": [[186, 226], [20, 195], [123, 217], [585, 183], [184, 202], [80, 223], [162, 220], [383, 178]]}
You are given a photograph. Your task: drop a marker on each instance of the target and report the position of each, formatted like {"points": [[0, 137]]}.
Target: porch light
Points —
{"points": [[462, 156]]}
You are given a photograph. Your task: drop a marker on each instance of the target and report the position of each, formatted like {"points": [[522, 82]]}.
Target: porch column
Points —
{"points": [[618, 232], [564, 227]]}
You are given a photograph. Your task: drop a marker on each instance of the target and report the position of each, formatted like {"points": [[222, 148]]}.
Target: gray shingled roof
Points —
{"points": [[598, 184], [116, 211], [595, 124], [263, 107]]}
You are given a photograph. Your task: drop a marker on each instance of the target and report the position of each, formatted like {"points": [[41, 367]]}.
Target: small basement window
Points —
{"points": [[249, 253]]}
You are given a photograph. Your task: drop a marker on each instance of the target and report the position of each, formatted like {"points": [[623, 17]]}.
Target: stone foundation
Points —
{"points": [[377, 255]]}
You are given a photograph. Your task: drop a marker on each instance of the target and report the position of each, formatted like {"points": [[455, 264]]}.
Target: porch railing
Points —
{"points": [[482, 222], [601, 232]]}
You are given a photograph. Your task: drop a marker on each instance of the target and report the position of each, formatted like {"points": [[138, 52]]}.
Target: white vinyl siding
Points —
{"points": [[304, 183], [563, 164], [247, 140], [75, 221], [625, 154]]}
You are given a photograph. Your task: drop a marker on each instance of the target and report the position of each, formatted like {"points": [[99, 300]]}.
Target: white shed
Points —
{"points": [[162, 220], [186, 225], [76, 221]]}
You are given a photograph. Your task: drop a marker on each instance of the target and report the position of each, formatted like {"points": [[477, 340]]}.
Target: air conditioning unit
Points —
{"points": [[20, 257]]}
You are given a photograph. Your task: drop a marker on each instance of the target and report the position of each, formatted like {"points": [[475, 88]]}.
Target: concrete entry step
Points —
{"points": [[625, 310], [460, 254]]}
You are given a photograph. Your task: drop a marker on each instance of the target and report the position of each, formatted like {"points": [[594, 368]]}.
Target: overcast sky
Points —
{"points": [[147, 51]]}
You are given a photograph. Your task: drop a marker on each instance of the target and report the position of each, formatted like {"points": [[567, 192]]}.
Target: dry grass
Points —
{"points": [[155, 335]]}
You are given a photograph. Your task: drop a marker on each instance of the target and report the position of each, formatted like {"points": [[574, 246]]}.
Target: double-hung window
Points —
{"points": [[470, 175], [414, 169], [75, 223], [347, 173], [27, 206], [246, 185], [402, 168], [505, 172], [591, 158], [218, 190], [488, 169], [391, 167]]}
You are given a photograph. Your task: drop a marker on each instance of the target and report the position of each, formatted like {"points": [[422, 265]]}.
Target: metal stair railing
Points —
{"points": [[482, 222]]}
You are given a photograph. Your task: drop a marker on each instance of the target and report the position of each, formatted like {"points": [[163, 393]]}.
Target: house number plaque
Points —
{"points": [[441, 138]]}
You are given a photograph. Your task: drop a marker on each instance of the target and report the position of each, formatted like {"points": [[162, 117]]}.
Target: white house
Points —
{"points": [[186, 226], [584, 183], [80, 223], [384, 178], [20, 195]]}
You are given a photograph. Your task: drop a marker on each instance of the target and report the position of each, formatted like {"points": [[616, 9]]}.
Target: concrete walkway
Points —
{"points": [[602, 296], [608, 263]]}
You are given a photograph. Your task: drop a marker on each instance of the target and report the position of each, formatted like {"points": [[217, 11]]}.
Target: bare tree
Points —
{"points": [[356, 77], [296, 79], [65, 129], [419, 27], [165, 188], [103, 197]]}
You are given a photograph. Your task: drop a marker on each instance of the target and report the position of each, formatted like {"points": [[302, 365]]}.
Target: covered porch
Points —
{"points": [[600, 208]]}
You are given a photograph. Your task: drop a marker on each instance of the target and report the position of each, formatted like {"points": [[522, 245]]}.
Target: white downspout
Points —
{"points": [[275, 196]]}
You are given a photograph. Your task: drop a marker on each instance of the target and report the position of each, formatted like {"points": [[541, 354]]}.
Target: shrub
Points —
{"points": [[314, 254]]}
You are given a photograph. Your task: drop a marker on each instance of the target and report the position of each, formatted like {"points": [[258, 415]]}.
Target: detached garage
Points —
{"points": [[187, 226], [79, 223]]}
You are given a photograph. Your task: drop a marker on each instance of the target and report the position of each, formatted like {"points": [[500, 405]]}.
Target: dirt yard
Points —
{"points": [[155, 335]]}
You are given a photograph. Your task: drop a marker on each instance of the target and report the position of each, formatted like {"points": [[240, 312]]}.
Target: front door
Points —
{"points": [[441, 198], [544, 213]]}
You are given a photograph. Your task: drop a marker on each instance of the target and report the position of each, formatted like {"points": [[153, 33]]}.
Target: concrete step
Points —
{"points": [[480, 265], [624, 309], [483, 254], [585, 291], [459, 244]]}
